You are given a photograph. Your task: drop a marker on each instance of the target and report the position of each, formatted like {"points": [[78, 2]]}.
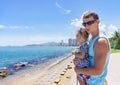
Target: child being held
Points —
{"points": [[81, 54]]}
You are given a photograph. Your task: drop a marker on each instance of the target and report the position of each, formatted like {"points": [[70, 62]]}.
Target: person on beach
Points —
{"points": [[99, 49], [81, 54]]}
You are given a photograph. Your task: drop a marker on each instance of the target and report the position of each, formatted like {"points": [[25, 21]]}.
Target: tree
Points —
{"points": [[117, 37], [115, 40]]}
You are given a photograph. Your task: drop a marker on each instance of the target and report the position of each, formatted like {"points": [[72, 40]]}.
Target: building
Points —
{"points": [[72, 42], [62, 43]]}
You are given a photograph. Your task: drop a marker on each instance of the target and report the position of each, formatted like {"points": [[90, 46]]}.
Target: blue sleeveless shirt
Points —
{"points": [[97, 80]]}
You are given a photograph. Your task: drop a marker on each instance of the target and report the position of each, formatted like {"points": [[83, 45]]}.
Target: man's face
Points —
{"points": [[90, 24]]}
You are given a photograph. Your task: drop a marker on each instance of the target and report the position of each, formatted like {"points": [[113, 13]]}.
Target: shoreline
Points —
{"points": [[36, 71], [58, 72], [25, 65]]}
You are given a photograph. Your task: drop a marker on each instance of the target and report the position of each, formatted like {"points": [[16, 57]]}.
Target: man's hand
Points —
{"points": [[77, 70]]}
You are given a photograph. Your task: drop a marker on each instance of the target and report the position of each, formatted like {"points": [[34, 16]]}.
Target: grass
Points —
{"points": [[115, 50]]}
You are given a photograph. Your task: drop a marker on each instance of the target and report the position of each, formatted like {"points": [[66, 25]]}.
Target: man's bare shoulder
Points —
{"points": [[101, 41], [101, 44]]}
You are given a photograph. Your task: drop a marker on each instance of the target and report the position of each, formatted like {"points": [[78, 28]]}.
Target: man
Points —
{"points": [[99, 50]]}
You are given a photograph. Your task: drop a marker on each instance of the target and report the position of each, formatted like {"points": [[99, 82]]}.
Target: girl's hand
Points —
{"points": [[73, 52], [75, 61]]}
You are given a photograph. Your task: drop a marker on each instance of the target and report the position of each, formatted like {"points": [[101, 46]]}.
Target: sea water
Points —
{"points": [[11, 55]]}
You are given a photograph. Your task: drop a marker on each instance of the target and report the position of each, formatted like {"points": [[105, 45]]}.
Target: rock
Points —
{"points": [[19, 65], [3, 72]]}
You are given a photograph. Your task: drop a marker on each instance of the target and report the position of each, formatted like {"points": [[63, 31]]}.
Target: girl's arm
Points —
{"points": [[80, 55]]}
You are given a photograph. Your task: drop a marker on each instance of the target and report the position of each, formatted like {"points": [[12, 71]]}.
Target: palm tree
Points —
{"points": [[115, 40], [117, 37], [112, 42]]}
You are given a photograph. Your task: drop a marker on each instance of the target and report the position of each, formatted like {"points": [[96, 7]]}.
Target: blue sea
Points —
{"points": [[37, 54]]}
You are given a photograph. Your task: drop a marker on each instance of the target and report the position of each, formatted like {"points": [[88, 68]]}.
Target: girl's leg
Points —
{"points": [[81, 82]]}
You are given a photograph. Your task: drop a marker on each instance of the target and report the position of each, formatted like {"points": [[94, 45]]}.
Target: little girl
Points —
{"points": [[81, 54]]}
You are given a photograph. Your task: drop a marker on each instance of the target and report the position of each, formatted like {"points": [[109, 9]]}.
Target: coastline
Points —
{"points": [[29, 76], [51, 72]]}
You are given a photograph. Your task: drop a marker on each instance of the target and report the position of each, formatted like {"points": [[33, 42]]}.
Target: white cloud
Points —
{"points": [[102, 27], [112, 28], [2, 26], [76, 22], [108, 30], [19, 27], [14, 27], [58, 5], [66, 11]]}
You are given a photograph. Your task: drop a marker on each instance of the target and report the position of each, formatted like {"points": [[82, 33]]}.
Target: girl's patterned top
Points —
{"points": [[85, 61]]}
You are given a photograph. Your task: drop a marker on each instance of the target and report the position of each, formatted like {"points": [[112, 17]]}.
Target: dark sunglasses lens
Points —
{"points": [[90, 22], [84, 24]]}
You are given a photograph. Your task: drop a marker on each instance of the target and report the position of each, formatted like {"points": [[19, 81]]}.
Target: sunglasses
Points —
{"points": [[88, 23]]}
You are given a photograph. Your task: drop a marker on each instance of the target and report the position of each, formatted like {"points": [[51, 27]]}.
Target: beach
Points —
{"points": [[59, 72], [45, 74]]}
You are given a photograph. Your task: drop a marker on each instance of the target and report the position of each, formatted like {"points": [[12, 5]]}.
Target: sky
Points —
{"points": [[25, 22]]}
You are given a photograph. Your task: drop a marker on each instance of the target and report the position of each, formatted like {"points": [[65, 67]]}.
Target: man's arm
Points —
{"points": [[101, 48]]}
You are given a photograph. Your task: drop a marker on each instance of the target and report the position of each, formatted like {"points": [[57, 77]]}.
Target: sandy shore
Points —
{"points": [[39, 75]]}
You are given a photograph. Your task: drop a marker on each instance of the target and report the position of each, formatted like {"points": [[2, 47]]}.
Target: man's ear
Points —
{"points": [[98, 21]]}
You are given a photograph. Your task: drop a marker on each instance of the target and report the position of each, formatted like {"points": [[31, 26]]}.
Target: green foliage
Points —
{"points": [[117, 37], [115, 41], [117, 46]]}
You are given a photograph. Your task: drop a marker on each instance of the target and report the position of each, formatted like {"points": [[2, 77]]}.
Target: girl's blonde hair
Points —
{"points": [[83, 33]]}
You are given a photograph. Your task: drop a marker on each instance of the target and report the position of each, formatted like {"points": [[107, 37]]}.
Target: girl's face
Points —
{"points": [[79, 38]]}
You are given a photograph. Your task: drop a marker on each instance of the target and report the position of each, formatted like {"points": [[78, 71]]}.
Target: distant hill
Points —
{"points": [[45, 44]]}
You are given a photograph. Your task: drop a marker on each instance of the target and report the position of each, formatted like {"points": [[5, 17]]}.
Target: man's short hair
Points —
{"points": [[90, 14]]}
